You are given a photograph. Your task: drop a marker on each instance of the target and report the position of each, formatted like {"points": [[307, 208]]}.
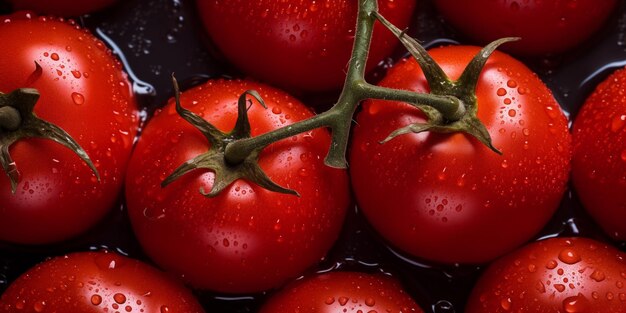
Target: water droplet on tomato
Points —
{"points": [[598, 275], [164, 309], [501, 92], [54, 56], [512, 113], [370, 302], [575, 304], [551, 264], [330, 300], [39, 306], [343, 300], [96, 299], [559, 287], [569, 256], [78, 98], [617, 123], [506, 304], [511, 83], [119, 298]]}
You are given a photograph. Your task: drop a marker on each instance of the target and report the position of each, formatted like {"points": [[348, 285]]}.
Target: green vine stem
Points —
{"points": [[355, 90], [451, 106]]}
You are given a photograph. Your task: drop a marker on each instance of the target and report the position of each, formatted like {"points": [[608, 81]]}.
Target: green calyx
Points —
{"points": [[18, 121], [225, 173], [463, 89]]}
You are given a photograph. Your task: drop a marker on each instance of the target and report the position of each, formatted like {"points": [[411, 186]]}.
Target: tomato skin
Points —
{"points": [[247, 239], [61, 7], [599, 159], [58, 196], [94, 282], [546, 27], [338, 292], [298, 45], [553, 275], [447, 197]]}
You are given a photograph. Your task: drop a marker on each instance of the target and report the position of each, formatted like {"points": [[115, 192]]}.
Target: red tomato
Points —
{"points": [[83, 91], [546, 27], [339, 292], [297, 44], [599, 161], [554, 275], [96, 282], [61, 7], [447, 197], [247, 239]]}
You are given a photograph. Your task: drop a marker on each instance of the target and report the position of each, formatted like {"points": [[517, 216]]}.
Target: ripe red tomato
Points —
{"points": [[554, 275], [96, 282], [61, 7], [247, 239], [546, 27], [599, 160], [447, 197], [85, 92], [296, 44], [339, 292]]}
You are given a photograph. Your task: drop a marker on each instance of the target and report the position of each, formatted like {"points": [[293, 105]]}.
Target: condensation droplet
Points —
{"points": [[569, 256], [78, 98], [96, 299]]}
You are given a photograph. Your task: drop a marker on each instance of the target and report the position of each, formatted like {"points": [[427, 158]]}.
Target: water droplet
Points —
{"points": [[276, 110], [512, 113], [78, 98], [575, 304], [511, 83], [76, 74], [39, 306], [96, 299], [119, 298], [504, 164], [532, 268], [559, 287], [165, 309], [569, 256], [506, 304], [618, 123], [54, 56], [343, 300], [330, 300], [598, 275], [370, 302], [551, 264], [501, 92]]}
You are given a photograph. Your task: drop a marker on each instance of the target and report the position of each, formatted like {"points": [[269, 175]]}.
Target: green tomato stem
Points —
{"points": [[355, 90]]}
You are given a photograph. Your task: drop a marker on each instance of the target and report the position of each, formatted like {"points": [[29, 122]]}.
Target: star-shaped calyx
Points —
{"points": [[214, 160], [463, 89], [18, 121]]}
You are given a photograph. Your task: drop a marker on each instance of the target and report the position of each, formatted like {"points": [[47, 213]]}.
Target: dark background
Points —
{"points": [[157, 37]]}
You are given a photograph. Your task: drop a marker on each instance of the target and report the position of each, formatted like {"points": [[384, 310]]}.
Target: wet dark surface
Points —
{"points": [[157, 37]]}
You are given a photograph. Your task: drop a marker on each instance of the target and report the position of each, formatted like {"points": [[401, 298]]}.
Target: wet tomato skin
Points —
{"points": [[338, 292], [94, 282], [64, 8], [553, 275], [446, 197], [557, 25], [599, 160], [247, 239], [298, 45], [85, 92]]}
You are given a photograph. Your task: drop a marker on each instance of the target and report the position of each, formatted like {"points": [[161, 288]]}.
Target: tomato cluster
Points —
{"points": [[137, 209]]}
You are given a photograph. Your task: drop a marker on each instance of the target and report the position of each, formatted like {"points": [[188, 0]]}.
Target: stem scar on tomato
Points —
{"points": [[225, 173], [18, 121]]}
